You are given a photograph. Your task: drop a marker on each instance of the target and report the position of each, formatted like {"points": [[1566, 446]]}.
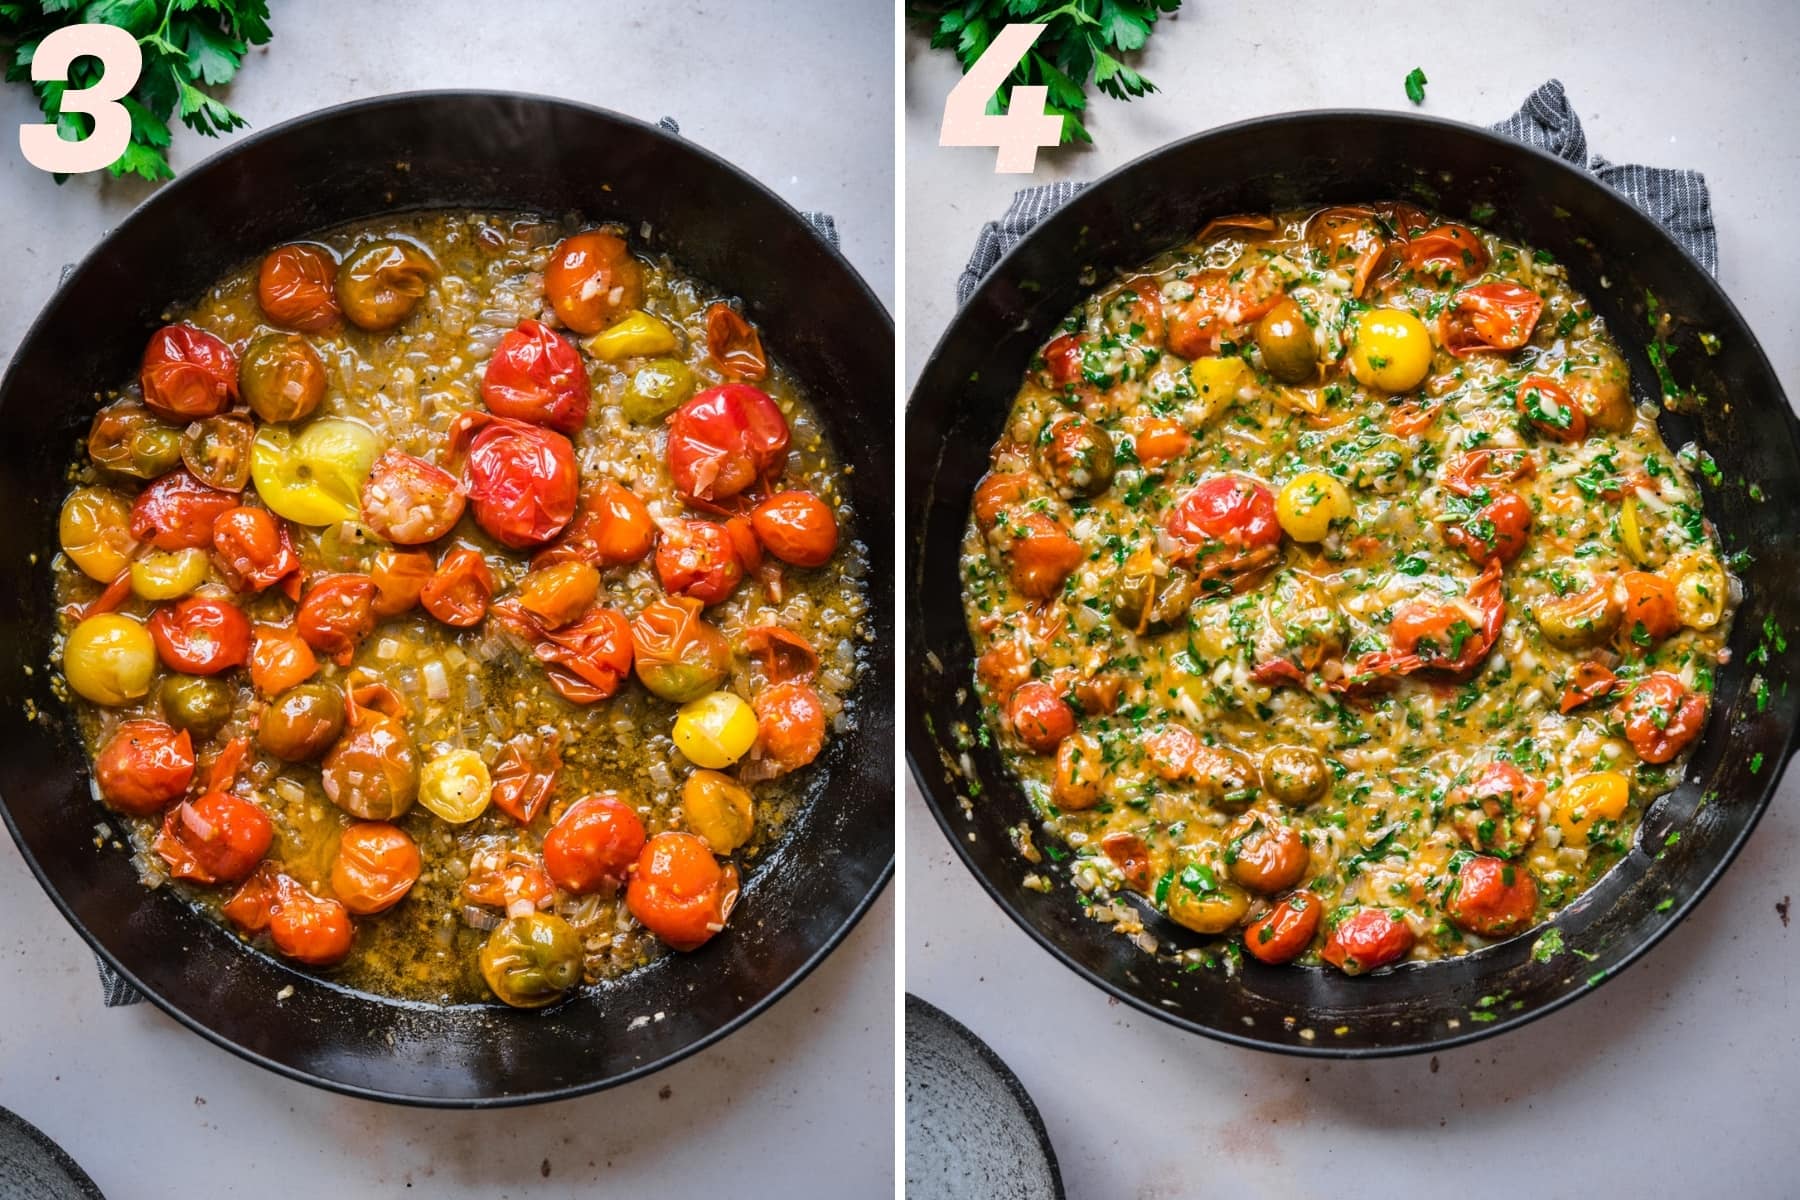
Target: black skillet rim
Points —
{"points": [[919, 741], [194, 177]]}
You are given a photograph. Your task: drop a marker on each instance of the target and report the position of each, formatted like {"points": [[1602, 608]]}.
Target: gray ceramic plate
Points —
{"points": [[972, 1132], [32, 1167]]}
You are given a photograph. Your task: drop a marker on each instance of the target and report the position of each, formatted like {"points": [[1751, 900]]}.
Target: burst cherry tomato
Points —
{"points": [[796, 527], [676, 654], [593, 844], [1468, 473], [1446, 252], [1552, 412], [1662, 717], [1062, 360], [336, 614], [376, 865], [790, 724], [459, 590], [508, 879], [304, 927], [399, 577], [612, 529], [1220, 306], [699, 560], [1229, 510], [1000, 495], [725, 440], [218, 838], [1366, 940], [536, 376], [144, 767], [522, 478], [410, 501], [734, 344], [1040, 717], [588, 661], [679, 892], [1042, 556], [1489, 316], [1650, 609], [1492, 898], [177, 512], [254, 548], [201, 635], [523, 775], [188, 373], [1496, 532], [280, 659], [1284, 932], [591, 279], [297, 287]]}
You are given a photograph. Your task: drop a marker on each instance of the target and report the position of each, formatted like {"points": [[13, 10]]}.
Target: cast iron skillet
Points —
{"points": [[480, 150], [1614, 253]]}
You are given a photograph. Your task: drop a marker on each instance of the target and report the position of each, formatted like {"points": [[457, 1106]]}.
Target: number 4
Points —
{"points": [[1018, 132], [120, 64]]}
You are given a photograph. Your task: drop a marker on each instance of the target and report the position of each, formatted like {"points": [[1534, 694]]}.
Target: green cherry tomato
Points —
{"points": [[532, 961]]}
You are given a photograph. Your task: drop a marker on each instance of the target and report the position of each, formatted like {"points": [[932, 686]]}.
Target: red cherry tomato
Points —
{"points": [[593, 844], [1489, 316], [1492, 898], [177, 512], [1468, 473], [304, 927], [591, 279], [1552, 412], [796, 527], [699, 560], [1367, 940], [1662, 717], [459, 590], [1062, 360], [218, 838], [144, 767], [523, 774], [410, 501], [253, 548], [590, 660], [734, 345], [1222, 305], [399, 577], [201, 635], [336, 614], [1227, 510], [725, 440], [188, 373], [522, 479], [1039, 716], [376, 865], [536, 376], [1284, 932], [1445, 252], [297, 287], [1497, 532], [612, 529], [679, 892], [790, 724]]}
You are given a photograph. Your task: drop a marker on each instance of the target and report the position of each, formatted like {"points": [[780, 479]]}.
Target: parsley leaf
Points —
{"points": [[1415, 85]]}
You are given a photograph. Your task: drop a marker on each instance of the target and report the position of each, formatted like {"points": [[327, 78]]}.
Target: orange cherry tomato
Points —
{"points": [[675, 653], [459, 590], [1349, 236], [782, 655], [796, 527], [508, 879], [253, 547], [1265, 855], [724, 440], [1002, 668], [218, 838], [1039, 716], [200, 635], [1470, 472], [410, 501], [1220, 307], [1492, 898], [699, 560], [559, 593], [177, 512], [304, 927], [336, 614], [1284, 932], [1662, 717], [611, 529], [1001, 495], [790, 724], [523, 482], [376, 864], [591, 279], [1131, 854], [523, 775], [1489, 316], [679, 892], [1449, 253], [1137, 307], [1367, 940], [1589, 681], [1650, 612], [1062, 360], [144, 766], [188, 373], [536, 376], [1172, 750], [399, 577], [593, 844], [1497, 811], [1042, 557], [734, 345], [297, 287], [1552, 412], [280, 659], [1160, 440], [1496, 532]]}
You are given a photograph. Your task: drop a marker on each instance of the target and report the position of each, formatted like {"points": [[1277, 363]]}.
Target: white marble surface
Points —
{"points": [[799, 1103], [1681, 1077]]}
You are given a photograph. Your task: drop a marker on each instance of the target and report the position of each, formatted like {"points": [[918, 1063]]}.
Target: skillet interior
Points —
{"points": [[480, 150], [1614, 255]]}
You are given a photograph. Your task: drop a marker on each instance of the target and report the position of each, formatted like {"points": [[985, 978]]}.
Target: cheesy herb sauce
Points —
{"points": [[1332, 593]]}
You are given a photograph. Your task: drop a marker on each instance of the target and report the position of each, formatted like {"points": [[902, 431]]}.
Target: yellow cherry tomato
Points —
{"points": [[315, 476], [718, 809], [109, 659], [456, 786], [1218, 380], [95, 532], [635, 335], [1701, 589], [1596, 796], [168, 574], [1309, 503], [1390, 349], [716, 730], [1629, 533]]}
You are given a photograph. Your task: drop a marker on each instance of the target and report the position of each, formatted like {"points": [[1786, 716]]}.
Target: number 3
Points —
{"points": [[1024, 126], [121, 62]]}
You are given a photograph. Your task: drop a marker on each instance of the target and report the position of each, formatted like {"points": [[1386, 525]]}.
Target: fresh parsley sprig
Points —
{"points": [[189, 46], [1084, 40]]}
